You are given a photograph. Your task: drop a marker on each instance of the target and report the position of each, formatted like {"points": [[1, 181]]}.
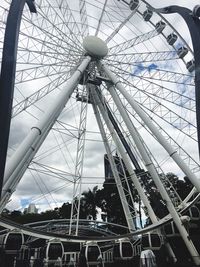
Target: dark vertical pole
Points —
{"points": [[7, 76], [123, 140]]}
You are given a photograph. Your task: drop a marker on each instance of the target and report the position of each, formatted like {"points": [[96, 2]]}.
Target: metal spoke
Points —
{"points": [[84, 22], [101, 17], [32, 99], [142, 57], [115, 32], [180, 122], [132, 42], [154, 73], [159, 91]]}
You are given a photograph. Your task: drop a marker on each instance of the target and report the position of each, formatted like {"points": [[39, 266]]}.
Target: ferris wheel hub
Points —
{"points": [[95, 47]]}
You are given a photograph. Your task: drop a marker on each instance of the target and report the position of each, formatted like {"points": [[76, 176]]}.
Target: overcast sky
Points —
{"points": [[59, 147]]}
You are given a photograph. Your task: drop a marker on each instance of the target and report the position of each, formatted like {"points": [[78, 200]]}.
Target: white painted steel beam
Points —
{"points": [[122, 196], [149, 164], [20, 160]]}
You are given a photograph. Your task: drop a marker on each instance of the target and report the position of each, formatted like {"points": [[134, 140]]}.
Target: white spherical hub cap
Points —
{"points": [[95, 47]]}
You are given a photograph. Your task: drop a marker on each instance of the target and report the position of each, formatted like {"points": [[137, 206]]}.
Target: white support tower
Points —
{"points": [[127, 212], [76, 200], [149, 164], [20, 160]]}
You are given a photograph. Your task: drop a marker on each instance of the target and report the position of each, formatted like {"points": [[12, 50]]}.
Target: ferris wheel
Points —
{"points": [[94, 78]]}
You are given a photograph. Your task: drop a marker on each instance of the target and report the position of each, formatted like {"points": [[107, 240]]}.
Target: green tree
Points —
{"points": [[65, 210], [109, 201], [89, 204]]}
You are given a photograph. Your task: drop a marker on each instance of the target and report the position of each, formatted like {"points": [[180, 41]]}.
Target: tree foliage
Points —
{"points": [[108, 200]]}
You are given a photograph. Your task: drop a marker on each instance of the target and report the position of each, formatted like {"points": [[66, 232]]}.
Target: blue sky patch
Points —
{"points": [[140, 67], [25, 202]]}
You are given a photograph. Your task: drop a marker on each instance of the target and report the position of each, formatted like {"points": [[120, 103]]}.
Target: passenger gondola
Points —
{"points": [[133, 4], [170, 229], [152, 241], [171, 39], [194, 213], [13, 240], [91, 255], [54, 250], [190, 65], [147, 15], [160, 26], [123, 250], [182, 51]]}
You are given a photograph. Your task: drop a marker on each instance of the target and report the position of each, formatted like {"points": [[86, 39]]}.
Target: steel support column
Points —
{"points": [[7, 76], [20, 160], [188, 242], [126, 208]]}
